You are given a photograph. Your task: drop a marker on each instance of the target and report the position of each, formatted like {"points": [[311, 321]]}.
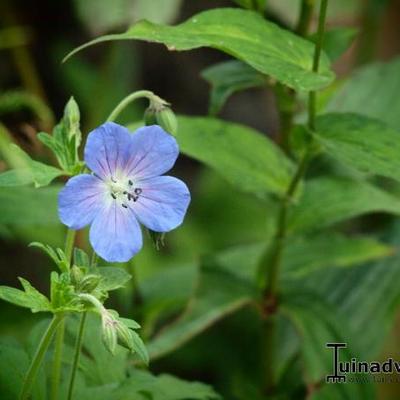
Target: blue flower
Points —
{"points": [[125, 188]]}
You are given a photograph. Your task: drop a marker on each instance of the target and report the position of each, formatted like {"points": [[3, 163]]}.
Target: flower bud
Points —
{"points": [[72, 118], [124, 335], [89, 283], [109, 332], [167, 120], [76, 275]]}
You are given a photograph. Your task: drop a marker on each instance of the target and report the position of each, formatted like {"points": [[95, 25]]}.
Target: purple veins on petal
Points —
{"points": [[115, 233], [78, 201], [125, 189], [154, 152], [162, 204]]}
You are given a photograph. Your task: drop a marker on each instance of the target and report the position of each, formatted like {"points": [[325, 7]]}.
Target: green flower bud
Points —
{"points": [[72, 118], [124, 335], [89, 283], [167, 120], [109, 332], [76, 275]]}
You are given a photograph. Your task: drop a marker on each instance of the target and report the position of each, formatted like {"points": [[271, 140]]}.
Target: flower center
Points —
{"points": [[124, 191]]}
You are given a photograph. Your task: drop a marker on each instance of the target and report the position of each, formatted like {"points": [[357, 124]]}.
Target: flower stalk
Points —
{"points": [[154, 100], [78, 348], [33, 370], [272, 260]]}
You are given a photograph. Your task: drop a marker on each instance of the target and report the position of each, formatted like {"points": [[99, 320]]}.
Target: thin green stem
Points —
{"points": [[38, 357], [272, 259], [129, 99], [57, 358], [312, 97], [59, 342], [69, 245], [306, 13], [78, 348]]}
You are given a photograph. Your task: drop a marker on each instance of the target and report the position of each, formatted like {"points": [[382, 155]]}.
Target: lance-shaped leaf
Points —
{"points": [[30, 171], [29, 298], [330, 200], [373, 91], [227, 78], [246, 158], [362, 143], [243, 34], [218, 295]]}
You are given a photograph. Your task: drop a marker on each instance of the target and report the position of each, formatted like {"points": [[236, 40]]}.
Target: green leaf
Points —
{"points": [[246, 158], [14, 363], [317, 323], [140, 348], [363, 294], [113, 278], [15, 177], [218, 295], [371, 91], [245, 35], [130, 323], [337, 41], [367, 145], [26, 206], [228, 77], [29, 298], [330, 200], [58, 256], [304, 255], [31, 172], [164, 387]]}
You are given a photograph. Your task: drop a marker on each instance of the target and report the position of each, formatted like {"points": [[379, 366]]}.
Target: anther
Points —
{"points": [[138, 191], [130, 183], [113, 180], [113, 196], [124, 205]]}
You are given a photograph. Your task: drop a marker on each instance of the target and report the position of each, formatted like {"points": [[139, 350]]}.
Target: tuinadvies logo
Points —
{"points": [[355, 366]]}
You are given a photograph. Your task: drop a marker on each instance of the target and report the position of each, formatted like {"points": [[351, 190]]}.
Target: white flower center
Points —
{"points": [[124, 191]]}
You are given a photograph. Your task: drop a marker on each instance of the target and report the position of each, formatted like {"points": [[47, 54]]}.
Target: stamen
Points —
{"points": [[124, 205], [113, 180], [135, 197], [113, 196], [138, 191], [130, 183]]}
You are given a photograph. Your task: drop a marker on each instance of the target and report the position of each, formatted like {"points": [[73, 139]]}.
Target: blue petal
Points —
{"points": [[108, 149], [78, 201], [115, 233], [154, 152], [162, 204]]}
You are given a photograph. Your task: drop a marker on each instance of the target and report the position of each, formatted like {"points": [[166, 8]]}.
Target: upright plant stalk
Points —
{"points": [[274, 259], [57, 359], [286, 97], [38, 357], [78, 347], [59, 341]]}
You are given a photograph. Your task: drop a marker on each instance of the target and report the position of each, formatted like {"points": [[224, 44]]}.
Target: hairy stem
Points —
{"points": [[69, 244], [272, 259], [38, 357], [59, 342], [129, 99], [78, 347], [57, 358]]}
